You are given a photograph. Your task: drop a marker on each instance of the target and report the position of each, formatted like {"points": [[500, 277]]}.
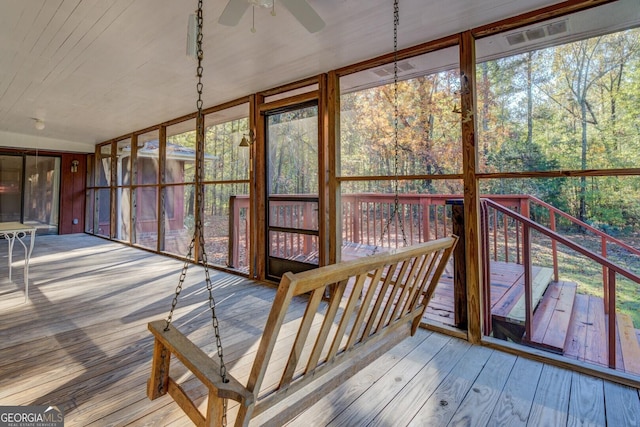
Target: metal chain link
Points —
{"points": [[199, 232], [396, 200]]}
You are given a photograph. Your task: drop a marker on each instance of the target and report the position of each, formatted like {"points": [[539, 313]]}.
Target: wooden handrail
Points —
{"points": [[558, 237], [582, 224], [608, 287]]}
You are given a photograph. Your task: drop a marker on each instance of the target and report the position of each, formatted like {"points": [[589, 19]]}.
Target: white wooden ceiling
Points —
{"points": [[96, 69]]}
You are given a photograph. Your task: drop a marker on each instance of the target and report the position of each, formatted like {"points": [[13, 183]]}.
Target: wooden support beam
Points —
{"points": [[323, 170], [333, 165], [471, 195], [162, 162]]}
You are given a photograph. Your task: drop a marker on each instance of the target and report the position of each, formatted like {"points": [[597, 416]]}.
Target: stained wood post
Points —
{"points": [[234, 232], [459, 270], [473, 267]]}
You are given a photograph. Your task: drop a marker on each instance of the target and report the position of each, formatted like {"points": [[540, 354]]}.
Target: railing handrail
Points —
{"points": [[584, 224], [567, 242]]}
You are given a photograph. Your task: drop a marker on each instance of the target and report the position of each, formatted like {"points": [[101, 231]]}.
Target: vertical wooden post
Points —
{"points": [[133, 208], [459, 263], [333, 166], [611, 316], [554, 247], [326, 115], [528, 282], [424, 204], [113, 215], [486, 264], [605, 276], [356, 223], [162, 163], [471, 195], [258, 267], [234, 232]]}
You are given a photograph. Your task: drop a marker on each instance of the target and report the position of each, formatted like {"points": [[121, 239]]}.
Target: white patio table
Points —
{"points": [[13, 231]]}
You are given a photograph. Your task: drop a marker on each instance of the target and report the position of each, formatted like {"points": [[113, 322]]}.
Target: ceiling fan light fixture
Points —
{"points": [[192, 36]]}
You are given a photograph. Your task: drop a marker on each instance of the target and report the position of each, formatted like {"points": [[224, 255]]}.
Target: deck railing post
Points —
{"points": [[486, 263], [605, 276], [528, 296], [459, 272], [611, 307], [554, 246], [356, 215], [234, 233]]}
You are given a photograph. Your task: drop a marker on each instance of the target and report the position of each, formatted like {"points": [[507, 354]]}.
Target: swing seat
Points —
{"points": [[375, 303]]}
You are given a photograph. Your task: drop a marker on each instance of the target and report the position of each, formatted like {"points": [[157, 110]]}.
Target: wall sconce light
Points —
{"points": [[247, 139], [38, 124], [74, 166]]}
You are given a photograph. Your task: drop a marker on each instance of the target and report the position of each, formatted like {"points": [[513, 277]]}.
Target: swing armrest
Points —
{"points": [[205, 368]]}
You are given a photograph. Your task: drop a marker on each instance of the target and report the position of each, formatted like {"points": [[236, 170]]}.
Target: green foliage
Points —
{"points": [[566, 107]]}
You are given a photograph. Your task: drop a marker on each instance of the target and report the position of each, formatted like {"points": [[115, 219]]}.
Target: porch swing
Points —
{"points": [[333, 339]]}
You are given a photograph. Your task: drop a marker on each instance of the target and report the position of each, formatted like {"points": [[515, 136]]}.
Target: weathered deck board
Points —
{"points": [[514, 403], [404, 406], [478, 405], [373, 400], [81, 343], [621, 405], [440, 407], [551, 402], [340, 398], [587, 401]]}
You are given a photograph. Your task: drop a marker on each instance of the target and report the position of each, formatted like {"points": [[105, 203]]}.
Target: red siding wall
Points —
{"points": [[72, 193]]}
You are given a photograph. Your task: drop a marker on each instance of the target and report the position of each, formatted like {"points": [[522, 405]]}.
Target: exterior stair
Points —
{"points": [[629, 345], [508, 314], [552, 317]]}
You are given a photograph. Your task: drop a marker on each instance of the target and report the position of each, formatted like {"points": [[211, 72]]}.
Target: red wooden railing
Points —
{"points": [[423, 216], [238, 220], [605, 239], [524, 225], [294, 212]]}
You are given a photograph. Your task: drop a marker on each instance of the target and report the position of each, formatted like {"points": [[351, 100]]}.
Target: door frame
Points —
{"points": [[306, 91]]}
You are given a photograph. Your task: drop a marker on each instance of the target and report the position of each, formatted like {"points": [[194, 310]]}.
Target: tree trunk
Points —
{"points": [[582, 213]]}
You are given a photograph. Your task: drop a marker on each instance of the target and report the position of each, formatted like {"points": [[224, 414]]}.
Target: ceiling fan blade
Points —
{"points": [[305, 14], [233, 12]]}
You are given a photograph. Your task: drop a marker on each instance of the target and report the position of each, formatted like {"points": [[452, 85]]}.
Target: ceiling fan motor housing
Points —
{"points": [[262, 3]]}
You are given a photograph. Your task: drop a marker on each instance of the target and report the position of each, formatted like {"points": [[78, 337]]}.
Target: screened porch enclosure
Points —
{"points": [[377, 155]]}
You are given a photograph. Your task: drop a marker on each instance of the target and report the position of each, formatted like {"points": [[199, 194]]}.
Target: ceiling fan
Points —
{"points": [[300, 9]]}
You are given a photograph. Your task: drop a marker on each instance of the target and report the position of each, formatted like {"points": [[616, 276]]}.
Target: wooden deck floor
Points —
{"points": [[81, 343]]}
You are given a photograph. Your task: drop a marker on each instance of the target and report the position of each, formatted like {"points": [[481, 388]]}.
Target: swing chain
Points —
{"points": [[200, 204], [396, 199], [199, 232]]}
